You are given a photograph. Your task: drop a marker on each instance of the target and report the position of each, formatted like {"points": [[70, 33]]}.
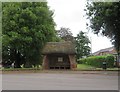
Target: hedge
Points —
{"points": [[97, 61]]}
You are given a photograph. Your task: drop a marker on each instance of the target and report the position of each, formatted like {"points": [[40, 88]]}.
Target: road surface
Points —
{"points": [[60, 81]]}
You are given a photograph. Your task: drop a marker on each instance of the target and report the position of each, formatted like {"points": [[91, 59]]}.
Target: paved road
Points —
{"points": [[59, 81]]}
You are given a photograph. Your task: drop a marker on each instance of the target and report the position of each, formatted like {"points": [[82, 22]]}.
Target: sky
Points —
{"points": [[71, 14]]}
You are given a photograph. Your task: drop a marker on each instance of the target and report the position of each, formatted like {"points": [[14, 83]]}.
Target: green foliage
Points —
{"points": [[26, 26], [65, 34], [0, 32], [97, 61], [105, 18], [82, 45]]}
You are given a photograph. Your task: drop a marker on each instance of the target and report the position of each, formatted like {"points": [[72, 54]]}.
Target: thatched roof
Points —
{"points": [[59, 47]]}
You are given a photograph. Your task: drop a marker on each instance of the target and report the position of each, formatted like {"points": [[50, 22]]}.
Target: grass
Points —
{"points": [[108, 69], [85, 67], [79, 67], [88, 67], [19, 69]]}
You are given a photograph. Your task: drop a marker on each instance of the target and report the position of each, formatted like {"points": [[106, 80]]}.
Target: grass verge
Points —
{"points": [[79, 67], [85, 67], [88, 67]]}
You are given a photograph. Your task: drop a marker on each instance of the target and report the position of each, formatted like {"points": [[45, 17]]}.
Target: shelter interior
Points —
{"points": [[58, 61]]}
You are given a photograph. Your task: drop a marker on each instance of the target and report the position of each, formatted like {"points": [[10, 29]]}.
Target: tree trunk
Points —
{"points": [[17, 59], [28, 65]]}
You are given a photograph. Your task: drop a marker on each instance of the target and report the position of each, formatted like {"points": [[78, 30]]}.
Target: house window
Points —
{"points": [[60, 59]]}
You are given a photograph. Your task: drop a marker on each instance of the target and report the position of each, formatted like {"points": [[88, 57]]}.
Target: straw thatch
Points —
{"points": [[59, 47]]}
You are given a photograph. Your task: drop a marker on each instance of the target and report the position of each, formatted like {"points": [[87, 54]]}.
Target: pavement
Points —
{"points": [[61, 80]]}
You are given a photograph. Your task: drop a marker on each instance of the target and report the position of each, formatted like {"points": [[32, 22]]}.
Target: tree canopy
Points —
{"points": [[82, 45], [0, 32], [105, 18], [65, 34], [26, 27]]}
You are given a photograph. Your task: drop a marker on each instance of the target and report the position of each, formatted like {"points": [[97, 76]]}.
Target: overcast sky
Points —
{"points": [[71, 14]]}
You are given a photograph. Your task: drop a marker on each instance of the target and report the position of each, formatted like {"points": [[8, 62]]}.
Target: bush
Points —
{"points": [[97, 61]]}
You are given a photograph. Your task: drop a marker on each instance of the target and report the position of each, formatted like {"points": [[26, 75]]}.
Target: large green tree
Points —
{"points": [[82, 45], [105, 18], [65, 34], [0, 32], [26, 27]]}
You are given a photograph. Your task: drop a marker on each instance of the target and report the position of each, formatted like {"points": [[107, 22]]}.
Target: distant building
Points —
{"points": [[110, 50], [106, 51]]}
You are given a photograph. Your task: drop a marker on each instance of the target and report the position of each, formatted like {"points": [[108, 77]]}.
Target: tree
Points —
{"points": [[105, 18], [0, 32], [26, 26], [65, 34], [82, 45]]}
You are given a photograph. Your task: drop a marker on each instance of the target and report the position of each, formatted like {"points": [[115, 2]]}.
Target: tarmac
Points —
{"points": [[60, 80]]}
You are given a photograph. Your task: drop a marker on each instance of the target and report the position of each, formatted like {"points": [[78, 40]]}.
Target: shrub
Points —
{"points": [[97, 61]]}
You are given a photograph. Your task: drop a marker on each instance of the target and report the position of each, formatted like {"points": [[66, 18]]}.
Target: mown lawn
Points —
{"points": [[79, 67], [88, 67], [19, 69], [85, 67]]}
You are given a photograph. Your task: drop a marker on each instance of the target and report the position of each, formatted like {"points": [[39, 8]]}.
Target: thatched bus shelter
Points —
{"points": [[59, 55]]}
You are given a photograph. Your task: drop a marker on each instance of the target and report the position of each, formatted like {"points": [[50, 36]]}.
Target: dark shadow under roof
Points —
{"points": [[59, 47]]}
